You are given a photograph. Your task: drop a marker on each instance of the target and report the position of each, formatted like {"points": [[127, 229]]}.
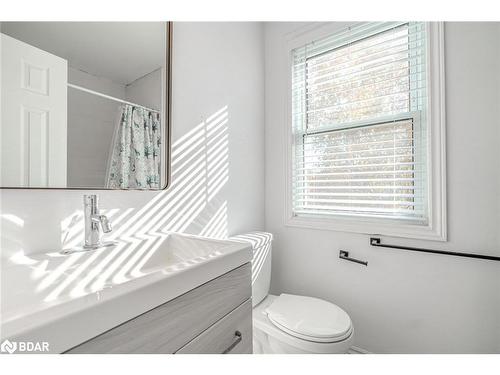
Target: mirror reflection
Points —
{"points": [[83, 105]]}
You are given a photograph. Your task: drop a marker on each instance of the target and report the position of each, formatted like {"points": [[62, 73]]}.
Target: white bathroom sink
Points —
{"points": [[65, 299]]}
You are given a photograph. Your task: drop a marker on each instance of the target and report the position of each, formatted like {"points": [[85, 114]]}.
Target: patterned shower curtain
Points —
{"points": [[135, 153]]}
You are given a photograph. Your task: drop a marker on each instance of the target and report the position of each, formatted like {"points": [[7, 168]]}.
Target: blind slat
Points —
{"points": [[353, 104], [353, 86], [365, 68], [362, 173], [361, 32], [300, 152], [353, 181], [356, 209]]}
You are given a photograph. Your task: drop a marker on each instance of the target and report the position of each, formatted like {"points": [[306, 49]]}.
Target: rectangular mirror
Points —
{"points": [[85, 105]]}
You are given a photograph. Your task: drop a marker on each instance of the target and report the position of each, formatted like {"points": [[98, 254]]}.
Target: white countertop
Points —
{"points": [[68, 299]]}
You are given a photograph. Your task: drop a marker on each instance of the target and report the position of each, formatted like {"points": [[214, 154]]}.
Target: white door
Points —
{"points": [[33, 127]]}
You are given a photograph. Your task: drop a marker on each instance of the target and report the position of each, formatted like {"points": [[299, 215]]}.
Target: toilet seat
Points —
{"points": [[309, 318]]}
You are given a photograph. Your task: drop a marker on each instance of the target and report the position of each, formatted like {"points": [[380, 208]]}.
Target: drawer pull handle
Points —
{"points": [[236, 340]]}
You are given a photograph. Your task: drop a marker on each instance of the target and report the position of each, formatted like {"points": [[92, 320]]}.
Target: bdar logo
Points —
{"points": [[9, 347]]}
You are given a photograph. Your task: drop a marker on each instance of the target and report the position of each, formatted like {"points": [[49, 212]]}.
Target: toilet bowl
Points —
{"points": [[288, 323]]}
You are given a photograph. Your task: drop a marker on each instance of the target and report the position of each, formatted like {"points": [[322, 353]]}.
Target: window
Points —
{"points": [[360, 118]]}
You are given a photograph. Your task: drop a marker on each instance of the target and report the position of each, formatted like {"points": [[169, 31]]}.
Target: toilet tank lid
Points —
{"points": [[256, 239], [308, 317]]}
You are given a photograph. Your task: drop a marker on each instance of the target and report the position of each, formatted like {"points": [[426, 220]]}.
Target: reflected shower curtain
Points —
{"points": [[135, 153]]}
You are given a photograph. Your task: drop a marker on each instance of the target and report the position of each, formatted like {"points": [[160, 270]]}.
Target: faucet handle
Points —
{"points": [[105, 224], [90, 200]]}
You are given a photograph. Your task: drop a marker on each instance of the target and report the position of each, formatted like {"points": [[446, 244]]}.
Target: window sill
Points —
{"points": [[370, 226]]}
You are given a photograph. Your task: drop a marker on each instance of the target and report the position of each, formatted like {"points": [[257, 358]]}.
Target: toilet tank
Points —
{"points": [[261, 265]]}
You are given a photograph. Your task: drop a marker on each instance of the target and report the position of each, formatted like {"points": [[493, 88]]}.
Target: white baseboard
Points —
{"points": [[356, 350]]}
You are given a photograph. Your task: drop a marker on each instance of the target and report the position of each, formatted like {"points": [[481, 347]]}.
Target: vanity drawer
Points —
{"points": [[168, 327], [230, 335]]}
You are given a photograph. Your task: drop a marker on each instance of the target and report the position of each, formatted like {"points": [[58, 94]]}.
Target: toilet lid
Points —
{"points": [[309, 318]]}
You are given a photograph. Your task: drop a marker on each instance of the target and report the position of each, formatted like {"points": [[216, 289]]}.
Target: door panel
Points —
{"points": [[33, 129]]}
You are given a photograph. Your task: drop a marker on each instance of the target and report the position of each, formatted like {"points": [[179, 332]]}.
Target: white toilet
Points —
{"points": [[289, 323]]}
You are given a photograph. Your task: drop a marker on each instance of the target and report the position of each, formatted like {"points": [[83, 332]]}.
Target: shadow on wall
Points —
{"points": [[200, 169], [194, 204]]}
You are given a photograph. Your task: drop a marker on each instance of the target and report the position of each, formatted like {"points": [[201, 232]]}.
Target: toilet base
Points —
{"points": [[265, 344]]}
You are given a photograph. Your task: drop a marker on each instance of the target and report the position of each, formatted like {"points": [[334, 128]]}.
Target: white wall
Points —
{"points": [[146, 90], [407, 302], [217, 67], [91, 123]]}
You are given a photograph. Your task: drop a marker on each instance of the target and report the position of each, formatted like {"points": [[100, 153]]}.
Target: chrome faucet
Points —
{"points": [[94, 223]]}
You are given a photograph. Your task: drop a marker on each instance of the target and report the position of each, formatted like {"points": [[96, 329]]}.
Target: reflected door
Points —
{"points": [[33, 127]]}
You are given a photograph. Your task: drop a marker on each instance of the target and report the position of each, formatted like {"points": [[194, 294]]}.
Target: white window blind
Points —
{"points": [[359, 124]]}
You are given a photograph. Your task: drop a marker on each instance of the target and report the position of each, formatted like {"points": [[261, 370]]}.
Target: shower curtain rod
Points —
{"points": [[110, 97]]}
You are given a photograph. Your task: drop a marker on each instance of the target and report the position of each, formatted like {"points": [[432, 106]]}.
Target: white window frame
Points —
{"points": [[436, 227]]}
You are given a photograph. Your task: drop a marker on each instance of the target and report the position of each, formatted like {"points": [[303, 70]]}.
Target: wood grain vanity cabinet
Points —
{"points": [[215, 317]]}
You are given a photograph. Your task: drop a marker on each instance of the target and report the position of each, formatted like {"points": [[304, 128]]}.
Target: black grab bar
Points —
{"points": [[375, 241], [345, 255]]}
